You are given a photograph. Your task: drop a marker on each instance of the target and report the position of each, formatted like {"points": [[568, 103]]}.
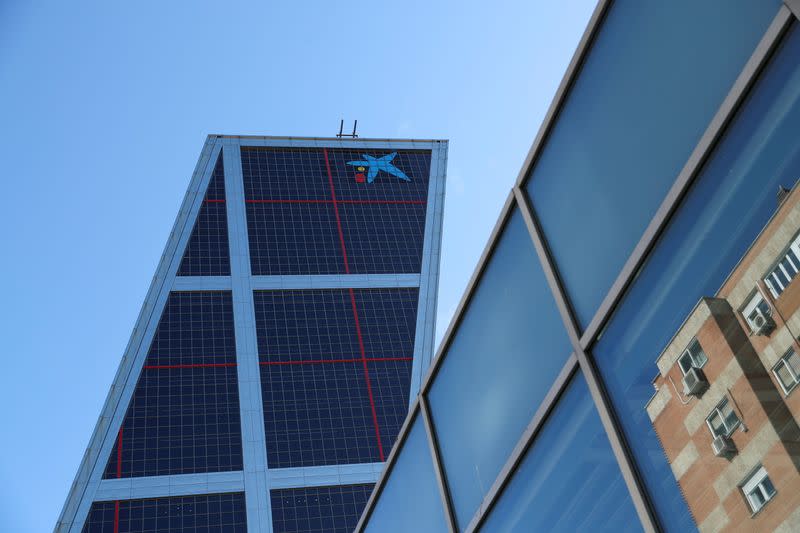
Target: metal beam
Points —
{"points": [[438, 467], [691, 169], [794, 6], [627, 465], [575, 64], [483, 262], [390, 461]]}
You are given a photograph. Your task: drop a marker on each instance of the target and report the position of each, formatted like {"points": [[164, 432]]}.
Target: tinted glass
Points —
{"points": [[719, 244], [505, 355], [184, 414], [655, 76], [410, 499], [207, 250], [318, 509], [569, 479], [180, 514], [335, 372], [333, 211]]}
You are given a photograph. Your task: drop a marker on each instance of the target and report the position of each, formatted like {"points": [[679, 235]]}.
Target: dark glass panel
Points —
{"points": [[207, 250], [180, 421], [318, 509], [177, 514], [299, 200], [184, 414]]}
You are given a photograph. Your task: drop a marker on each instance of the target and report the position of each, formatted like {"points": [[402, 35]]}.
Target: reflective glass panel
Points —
{"points": [[410, 500], [569, 479], [655, 76], [504, 357], [699, 279]]}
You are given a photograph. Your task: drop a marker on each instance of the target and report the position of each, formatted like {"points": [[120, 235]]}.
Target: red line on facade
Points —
{"points": [[379, 202], [336, 211], [355, 309], [203, 365], [116, 516], [366, 374], [324, 361]]}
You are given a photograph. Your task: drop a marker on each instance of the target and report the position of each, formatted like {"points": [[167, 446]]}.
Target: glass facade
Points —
{"points": [[677, 411], [180, 514], [184, 414], [329, 509], [568, 480], [643, 99], [277, 351], [507, 351], [413, 486], [207, 250], [310, 211], [571, 392]]}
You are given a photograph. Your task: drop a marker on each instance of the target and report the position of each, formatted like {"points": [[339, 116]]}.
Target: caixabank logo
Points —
{"points": [[373, 165]]}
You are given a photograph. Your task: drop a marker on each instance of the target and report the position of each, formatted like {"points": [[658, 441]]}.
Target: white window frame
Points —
{"points": [[692, 356], [717, 411], [795, 375], [754, 485], [773, 282], [756, 302]]}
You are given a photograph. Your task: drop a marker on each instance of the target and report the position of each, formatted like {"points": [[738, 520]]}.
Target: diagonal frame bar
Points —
{"points": [[794, 7], [524, 443], [432, 371], [413, 412], [441, 479], [581, 341], [691, 169], [633, 481]]}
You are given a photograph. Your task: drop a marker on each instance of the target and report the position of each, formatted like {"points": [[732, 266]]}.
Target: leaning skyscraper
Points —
{"points": [[289, 322]]}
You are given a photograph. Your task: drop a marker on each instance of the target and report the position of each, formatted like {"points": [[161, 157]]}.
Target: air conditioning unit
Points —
{"points": [[694, 382], [723, 445], [762, 323]]}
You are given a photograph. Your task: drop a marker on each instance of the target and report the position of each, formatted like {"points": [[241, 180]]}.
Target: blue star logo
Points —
{"points": [[376, 164]]}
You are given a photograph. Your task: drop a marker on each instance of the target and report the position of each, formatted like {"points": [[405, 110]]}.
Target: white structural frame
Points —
{"points": [[256, 479]]}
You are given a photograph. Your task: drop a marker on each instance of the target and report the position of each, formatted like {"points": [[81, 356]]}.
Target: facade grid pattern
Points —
{"points": [[335, 370], [184, 414], [344, 353], [205, 513], [207, 251], [318, 509], [308, 212]]}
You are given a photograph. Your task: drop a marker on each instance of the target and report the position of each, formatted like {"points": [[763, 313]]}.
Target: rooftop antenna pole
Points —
{"points": [[353, 135]]}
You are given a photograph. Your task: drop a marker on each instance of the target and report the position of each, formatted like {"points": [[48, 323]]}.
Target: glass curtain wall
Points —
{"points": [[675, 410]]}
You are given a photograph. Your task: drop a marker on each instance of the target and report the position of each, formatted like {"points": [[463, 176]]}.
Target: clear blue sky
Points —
{"points": [[105, 106]]}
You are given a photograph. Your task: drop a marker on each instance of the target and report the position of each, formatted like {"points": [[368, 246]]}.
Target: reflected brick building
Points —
{"points": [[725, 409]]}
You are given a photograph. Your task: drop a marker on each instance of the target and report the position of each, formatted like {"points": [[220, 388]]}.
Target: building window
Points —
{"points": [[693, 357], [788, 371], [758, 489], [722, 420], [755, 307], [787, 268]]}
